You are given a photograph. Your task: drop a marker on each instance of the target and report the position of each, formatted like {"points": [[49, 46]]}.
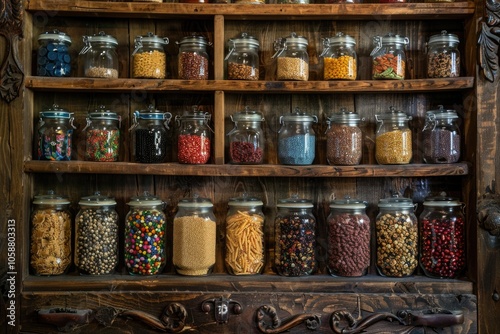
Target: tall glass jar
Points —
{"points": [[389, 57], [246, 139], [194, 139], [292, 58], [50, 250], [193, 60], [242, 60], [195, 237], [102, 135], [149, 59], [393, 140], [443, 57], [145, 232], [53, 57], [96, 235], [54, 134], [441, 136], [344, 138], [297, 139], [100, 57], [339, 58]]}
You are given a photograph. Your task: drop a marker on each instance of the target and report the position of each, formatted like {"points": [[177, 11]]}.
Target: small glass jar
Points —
{"points": [[297, 139], [393, 140], [246, 139], [245, 240], [145, 232], [389, 57], [100, 57], [96, 235], [195, 237], [50, 248], [242, 60], [194, 139], [102, 135], [193, 60], [443, 57], [339, 58], [344, 139], [149, 59], [292, 58], [396, 237], [295, 237], [53, 57], [348, 238], [150, 138], [54, 134], [441, 136]]}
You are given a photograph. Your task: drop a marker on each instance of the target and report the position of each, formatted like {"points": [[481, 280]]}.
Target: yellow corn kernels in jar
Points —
{"points": [[339, 58]]}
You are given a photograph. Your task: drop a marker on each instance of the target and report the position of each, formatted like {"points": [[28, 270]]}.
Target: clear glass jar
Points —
{"points": [[150, 137], [102, 135], [242, 60], [292, 58], [441, 136], [396, 237], [246, 139], [443, 57], [442, 237], [389, 57], [297, 139], [339, 58], [96, 235], [100, 57], [393, 140], [245, 251], [344, 138], [54, 134], [348, 238], [195, 237], [295, 237], [149, 59], [53, 57], [194, 139], [193, 61], [50, 250], [145, 233]]}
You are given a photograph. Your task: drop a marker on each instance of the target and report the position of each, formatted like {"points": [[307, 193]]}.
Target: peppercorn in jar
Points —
{"points": [[242, 60], [393, 140], [194, 139], [441, 136], [246, 139], [389, 57], [339, 58], [292, 59], [149, 59], [344, 138], [193, 60], [102, 135]]}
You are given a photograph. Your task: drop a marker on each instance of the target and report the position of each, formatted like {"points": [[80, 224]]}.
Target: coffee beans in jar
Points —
{"points": [[344, 138]]}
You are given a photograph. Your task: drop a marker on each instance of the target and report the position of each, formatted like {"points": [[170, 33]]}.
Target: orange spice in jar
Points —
{"points": [[388, 57]]}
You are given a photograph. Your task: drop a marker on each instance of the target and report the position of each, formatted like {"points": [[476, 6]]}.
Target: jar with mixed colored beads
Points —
{"points": [[194, 139], [102, 135], [54, 134], [339, 58]]}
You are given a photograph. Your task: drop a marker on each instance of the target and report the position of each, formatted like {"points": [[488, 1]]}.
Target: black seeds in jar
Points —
{"points": [[151, 146]]}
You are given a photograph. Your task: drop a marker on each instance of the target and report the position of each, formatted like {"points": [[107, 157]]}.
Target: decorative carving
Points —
{"points": [[221, 308], [65, 319], [312, 321], [488, 213], [489, 40]]}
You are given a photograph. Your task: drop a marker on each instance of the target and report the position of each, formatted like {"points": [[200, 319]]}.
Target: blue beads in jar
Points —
{"points": [[297, 139], [53, 57]]}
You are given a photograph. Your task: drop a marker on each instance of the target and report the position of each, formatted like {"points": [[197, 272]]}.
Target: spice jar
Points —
{"points": [[397, 237], [194, 237], [100, 57], [292, 58], [295, 237], [53, 57], [96, 235], [443, 57], [389, 57], [296, 138], [149, 59], [442, 237], [145, 234], [150, 142], [348, 238], [193, 58], [246, 139], [54, 134], [441, 136], [245, 236], [242, 60], [102, 135], [194, 139], [393, 141], [50, 235], [344, 138], [339, 57]]}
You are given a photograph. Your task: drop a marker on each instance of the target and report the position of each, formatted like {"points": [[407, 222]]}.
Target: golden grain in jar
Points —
{"points": [[149, 59], [339, 57], [393, 143]]}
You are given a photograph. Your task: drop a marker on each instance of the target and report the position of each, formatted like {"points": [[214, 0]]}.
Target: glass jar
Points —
{"points": [[100, 57], [292, 58], [348, 238], [344, 139], [53, 57], [50, 235], [246, 139], [54, 134], [441, 136], [149, 59], [393, 140], [245, 240], [194, 139], [102, 135], [297, 139], [195, 237], [145, 232], [443, 57], [193, 61], [150, 140], [295, 237], [96, 235], [339, 57], [396, 237], [242, 60], [389, 57]]}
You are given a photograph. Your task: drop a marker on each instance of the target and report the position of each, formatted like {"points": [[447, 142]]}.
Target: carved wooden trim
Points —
{"points": [[489, 40], [488, 213], [312, 321]]}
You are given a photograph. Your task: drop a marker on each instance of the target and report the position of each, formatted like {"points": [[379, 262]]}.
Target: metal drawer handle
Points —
{"points": [[221, 307]]}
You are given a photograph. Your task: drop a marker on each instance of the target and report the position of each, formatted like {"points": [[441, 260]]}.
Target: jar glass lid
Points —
{"points": [[340, 38], [55, 35], [51, 198], [345, 116], [195, 202], [442, 113], [393, 114], [151, 38], [245, 201], [348, 203], [244, 39], [298, 116], [145, 200], [247, 116], [100, 37], [396, 202], [295, 202], [102, 113], [441, 200], [56, 112], [444, 37], [97, 200]]}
